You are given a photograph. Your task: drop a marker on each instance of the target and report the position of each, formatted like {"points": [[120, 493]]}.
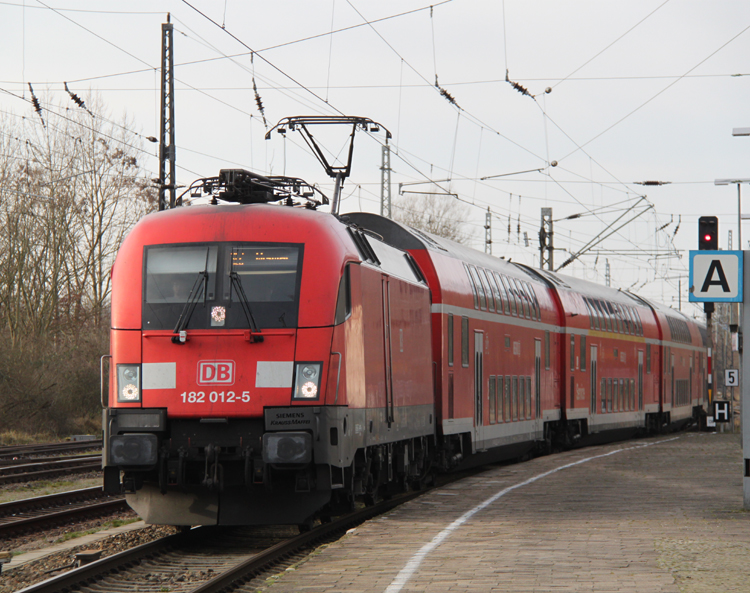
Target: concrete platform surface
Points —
{"points": [[655, 515]]}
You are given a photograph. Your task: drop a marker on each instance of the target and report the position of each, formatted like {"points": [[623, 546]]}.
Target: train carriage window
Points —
{"points": [[616, 321], [590, 313], [622, 395], [506, 402], [491, 398], [514, 400], [604, 320], [495, 291], [604, 395], [596, 316], [499, 391], [528, 398], [633, 325], [511, 295], [609, 394], [532, 301], [610, 315], [521, 399], [632, 394], [479, 287], [473, 287], [504, 293], [625, 314], [627, 322], [450, 339], [602, 317], [583, 353], [626, 396], [623, 319], [536, 302], [639, 323], [648, 359], [487, 289], [523, 298], [344, 300], [465, 342], [546, 350]]}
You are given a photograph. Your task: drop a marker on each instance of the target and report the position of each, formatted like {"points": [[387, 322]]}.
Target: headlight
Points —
{"points": [[128, 383], [307, 380], [287, 447], [133, 449]]}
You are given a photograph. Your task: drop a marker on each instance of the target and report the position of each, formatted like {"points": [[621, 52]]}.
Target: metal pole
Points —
{"points": [[166, 136], [488, 231], [739, 215], [385, 182]]}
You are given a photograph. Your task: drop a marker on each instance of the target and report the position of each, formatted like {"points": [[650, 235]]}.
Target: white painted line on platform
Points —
{"points": [[411, 567]]}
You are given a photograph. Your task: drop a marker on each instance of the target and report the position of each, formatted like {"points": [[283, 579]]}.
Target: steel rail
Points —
{"points": [[35, 449], [48, 473], [25, 505], [11, 526], [30, 460], [259, 563], [88, 575]]}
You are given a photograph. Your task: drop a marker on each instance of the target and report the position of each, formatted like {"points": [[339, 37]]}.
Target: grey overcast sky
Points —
{"points": [[645, 90]]}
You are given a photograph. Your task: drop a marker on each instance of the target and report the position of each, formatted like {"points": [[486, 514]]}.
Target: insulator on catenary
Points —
{"points": [[77, 100], [37, 106], [259, 103], [446, 94], [519, 87]]}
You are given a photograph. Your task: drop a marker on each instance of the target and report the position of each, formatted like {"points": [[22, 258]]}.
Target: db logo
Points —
{"points": [[216, 372]]}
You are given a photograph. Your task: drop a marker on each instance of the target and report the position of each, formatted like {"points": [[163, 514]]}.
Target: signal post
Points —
{"points": [[718, 277]]}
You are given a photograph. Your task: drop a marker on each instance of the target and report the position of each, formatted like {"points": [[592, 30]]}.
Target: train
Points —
{"points": [[272, 363]]}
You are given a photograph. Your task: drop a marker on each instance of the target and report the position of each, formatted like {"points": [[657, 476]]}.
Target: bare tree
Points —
{"points": [[434, 213], [69, 192]]}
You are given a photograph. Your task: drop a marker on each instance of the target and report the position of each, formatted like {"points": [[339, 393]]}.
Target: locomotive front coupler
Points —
{"points": [[214, 473]]}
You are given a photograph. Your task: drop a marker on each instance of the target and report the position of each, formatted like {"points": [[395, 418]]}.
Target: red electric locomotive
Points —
{"points": [[271, 362], [257, 350]]}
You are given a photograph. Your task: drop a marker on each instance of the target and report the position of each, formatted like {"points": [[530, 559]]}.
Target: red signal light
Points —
{"points": [[707, 237]]}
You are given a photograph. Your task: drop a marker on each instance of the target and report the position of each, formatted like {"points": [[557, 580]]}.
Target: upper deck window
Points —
{"points": [[220, 279]]}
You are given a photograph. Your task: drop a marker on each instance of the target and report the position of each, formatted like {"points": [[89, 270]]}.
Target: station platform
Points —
{"points": [[660, 515]]}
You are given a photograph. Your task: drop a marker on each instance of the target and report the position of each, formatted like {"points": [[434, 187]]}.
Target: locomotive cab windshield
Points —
{"points": [[222, 282]]}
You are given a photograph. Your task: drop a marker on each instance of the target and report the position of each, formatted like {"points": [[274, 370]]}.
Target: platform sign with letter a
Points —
{"points": [[715, 277]]}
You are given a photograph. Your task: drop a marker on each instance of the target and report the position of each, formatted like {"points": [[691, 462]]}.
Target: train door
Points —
{"points": [[478, 383], [594, 382], [387, 349], [640, 379]]}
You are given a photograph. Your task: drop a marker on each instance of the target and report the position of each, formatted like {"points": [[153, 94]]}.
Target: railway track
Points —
{"points": [[9, 452], [34, 514], [205, 559], [48, 468]]}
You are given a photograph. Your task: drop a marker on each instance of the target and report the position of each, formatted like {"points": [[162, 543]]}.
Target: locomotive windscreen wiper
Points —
{"points": [[244, 302], [201, 282], [237, 283]]}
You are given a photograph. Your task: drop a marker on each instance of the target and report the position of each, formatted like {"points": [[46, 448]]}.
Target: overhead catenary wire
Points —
{"points": [[456, 176]]}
